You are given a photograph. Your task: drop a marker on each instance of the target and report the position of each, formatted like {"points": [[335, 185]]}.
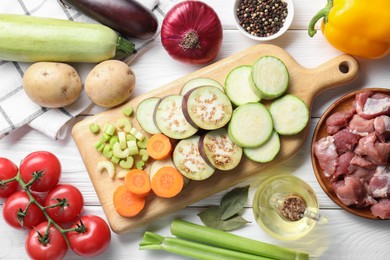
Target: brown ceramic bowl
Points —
{"points": [[342, 104]]}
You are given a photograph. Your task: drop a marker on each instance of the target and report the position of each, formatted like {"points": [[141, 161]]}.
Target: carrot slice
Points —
{"points": [[138, 182], [159, 147], [167, 182], [126, 203]]}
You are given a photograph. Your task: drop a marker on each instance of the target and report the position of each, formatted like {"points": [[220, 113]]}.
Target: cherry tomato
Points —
{"points": [[18, 202], [42, 163], [72, 200], [8, 170], [92, 238], [53, 246]]}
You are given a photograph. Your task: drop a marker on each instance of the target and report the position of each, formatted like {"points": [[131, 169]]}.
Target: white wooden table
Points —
{"points": [[344, 237]]}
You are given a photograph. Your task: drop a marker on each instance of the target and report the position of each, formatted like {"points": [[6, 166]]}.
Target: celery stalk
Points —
{"points": [[191, 249], [215, 237]]}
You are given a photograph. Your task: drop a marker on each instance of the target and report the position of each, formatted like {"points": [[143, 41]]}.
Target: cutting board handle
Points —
{"points": [[335, 72]]}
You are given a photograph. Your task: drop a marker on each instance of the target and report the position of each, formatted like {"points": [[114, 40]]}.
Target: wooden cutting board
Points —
{"points": [[304, 82]]}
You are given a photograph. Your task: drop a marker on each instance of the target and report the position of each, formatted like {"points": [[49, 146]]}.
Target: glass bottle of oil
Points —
{"points": [[286, 207]]}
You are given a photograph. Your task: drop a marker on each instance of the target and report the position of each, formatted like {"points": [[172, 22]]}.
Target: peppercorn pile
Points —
{"points": [[262, 18]]}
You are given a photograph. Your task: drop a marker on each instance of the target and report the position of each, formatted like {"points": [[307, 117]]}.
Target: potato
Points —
{"points": [[52, 84], [110, 83]]}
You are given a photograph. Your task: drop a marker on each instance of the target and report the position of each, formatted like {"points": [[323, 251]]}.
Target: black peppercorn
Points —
{"points": [[262, 18]]}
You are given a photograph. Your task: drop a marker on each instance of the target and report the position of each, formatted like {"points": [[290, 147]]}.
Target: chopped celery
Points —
{"points": [[125, 124], [130, 137], [140, 136], [122, 139], [194, 250], [105, 137], [118, 152], [99, 145], [133, 148], [128, 163], [215, 237], [94, 128], [114, 139], [122, 174], [115, 159], [143, 143], [107, 151], [109, 129], [144, 155], [127, 111], [140, 165], [137, 134], [106, 166]]}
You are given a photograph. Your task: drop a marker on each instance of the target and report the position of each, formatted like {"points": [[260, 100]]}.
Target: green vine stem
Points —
{"points": [[61, 203], [323, 13]]}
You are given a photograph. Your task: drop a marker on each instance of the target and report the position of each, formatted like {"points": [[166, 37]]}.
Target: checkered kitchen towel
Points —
{"points": [[16, 109]]}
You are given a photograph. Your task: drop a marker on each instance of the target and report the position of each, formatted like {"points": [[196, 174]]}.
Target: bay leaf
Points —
{"points": [[233, 202], [211, 217]]}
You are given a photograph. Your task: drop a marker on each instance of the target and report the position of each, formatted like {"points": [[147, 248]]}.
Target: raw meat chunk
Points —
{"points": [[362, 162], [364, 174], [374, 151], [344, 163], [381, 209], [382, 127], [338, 121], [380, 183], [325, 151], [345, 140], [369, 105], [361, 126], [350, 191]]}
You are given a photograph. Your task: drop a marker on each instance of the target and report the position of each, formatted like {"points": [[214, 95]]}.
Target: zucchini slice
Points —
{"points": [[239, 86], [251, 125], [170, 119], [207, 107], [290, 114], [217, 147], [266, 152], [270, 76], [199, 82], [188, 160], [145, 115]]}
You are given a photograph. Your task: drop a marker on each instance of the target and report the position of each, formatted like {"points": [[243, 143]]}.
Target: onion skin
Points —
{"points": [[128, 17], [198, 22]]}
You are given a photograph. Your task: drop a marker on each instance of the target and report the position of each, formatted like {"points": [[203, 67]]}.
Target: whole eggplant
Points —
{"points": [[128, 17]]}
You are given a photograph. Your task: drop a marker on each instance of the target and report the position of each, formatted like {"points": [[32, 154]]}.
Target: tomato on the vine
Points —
{"points": [[69, 201], [8, 170], [41, 245], [45, 166], [91, 237], [15, 213]]}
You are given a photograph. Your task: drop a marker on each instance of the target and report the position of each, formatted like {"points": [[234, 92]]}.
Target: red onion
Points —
{"points": [[192, 32]]}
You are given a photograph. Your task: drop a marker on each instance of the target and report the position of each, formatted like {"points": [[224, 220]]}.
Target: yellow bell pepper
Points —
{"points": [[356, 27]]}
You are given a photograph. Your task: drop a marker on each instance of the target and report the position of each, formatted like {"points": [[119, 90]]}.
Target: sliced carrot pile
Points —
{"points": [[159, 147], [167, 182], [126, 203], [138, 182]]}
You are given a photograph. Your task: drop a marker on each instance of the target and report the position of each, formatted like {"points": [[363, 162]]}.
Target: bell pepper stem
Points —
{"points": [[323, 13]]}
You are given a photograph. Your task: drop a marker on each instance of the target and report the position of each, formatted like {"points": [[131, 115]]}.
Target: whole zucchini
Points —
{"points": [[31, 39], [128, 17]]}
